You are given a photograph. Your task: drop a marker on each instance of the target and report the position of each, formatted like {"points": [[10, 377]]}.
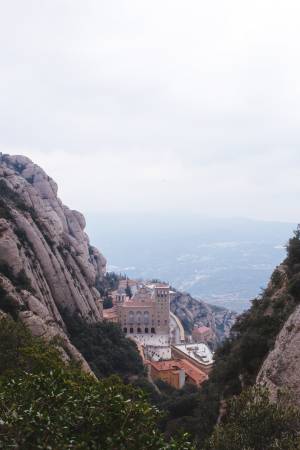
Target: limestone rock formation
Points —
{"points": [[281, 368], [196, 313], [47, 265]]}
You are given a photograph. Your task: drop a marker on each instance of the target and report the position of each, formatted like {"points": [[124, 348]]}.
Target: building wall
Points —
{"points": [[162, 309], [137, 319], [175, 378], [147, 313]]}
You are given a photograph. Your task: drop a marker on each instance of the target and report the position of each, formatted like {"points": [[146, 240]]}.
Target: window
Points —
{"points": [[153, 330], [131, 317], [146, 330], [131, 330], [146, 317], [138, 317], [139, 330], [125, 330]]}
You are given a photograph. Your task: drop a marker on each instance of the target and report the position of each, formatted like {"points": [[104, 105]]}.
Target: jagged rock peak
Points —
{"points": [[47, 265]]}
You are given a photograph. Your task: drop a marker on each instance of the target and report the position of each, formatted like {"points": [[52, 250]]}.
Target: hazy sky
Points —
{"points": [[190, 106]]}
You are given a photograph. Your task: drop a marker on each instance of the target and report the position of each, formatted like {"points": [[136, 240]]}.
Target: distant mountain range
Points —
{"points": [[224, 262]]}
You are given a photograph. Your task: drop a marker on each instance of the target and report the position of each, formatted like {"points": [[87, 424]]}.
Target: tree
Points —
{"points": [[107, 303], [293, 248], [128, 290]]}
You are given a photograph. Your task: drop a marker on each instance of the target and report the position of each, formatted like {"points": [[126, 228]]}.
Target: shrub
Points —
{"points": [[21, 352], [67, 410], [254, 423], [107, 303]]}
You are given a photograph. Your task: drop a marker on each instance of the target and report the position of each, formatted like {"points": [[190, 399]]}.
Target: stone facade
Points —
{"points": [[169, 372], [147, 312]]}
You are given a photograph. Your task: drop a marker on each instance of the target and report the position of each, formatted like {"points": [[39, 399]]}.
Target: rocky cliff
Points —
{"points": [[281, 368], [196, 313], [47, 265]]}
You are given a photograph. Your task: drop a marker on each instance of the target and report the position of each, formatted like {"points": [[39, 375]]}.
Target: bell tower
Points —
{"points": [[162, 299]]}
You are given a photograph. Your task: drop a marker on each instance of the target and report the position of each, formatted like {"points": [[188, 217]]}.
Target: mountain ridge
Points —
{"points": [[49, 269], [46, 262]]}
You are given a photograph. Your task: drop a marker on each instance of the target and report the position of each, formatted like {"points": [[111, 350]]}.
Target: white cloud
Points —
{"points": [[139, 106]]}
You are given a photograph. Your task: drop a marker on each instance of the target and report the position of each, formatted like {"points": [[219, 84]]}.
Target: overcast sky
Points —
{"points": [[148, 106]]}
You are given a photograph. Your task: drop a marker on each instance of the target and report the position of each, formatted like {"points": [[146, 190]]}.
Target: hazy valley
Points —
{"points": [[226, 263]]}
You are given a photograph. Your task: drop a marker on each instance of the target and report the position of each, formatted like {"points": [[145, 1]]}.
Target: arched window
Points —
{"points": [[146, 317], [146, 330], [139, 330], [139, 317], [131, 317]]}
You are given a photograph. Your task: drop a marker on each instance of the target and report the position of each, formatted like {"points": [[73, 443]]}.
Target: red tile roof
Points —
{"points": [[197, 375], [201, 330], [193, 372], [165, 365]]}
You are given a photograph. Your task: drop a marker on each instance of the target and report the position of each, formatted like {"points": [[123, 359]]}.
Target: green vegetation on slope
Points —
{"points": [[252, 422], [45, 404], [104, 347], [106, 285]]}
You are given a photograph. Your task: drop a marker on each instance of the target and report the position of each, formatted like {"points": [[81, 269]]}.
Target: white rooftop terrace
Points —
{"points": [[199, 352]]}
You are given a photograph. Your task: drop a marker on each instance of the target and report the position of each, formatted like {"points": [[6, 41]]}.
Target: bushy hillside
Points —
{"points": [[105, 348], [46, 404]]}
